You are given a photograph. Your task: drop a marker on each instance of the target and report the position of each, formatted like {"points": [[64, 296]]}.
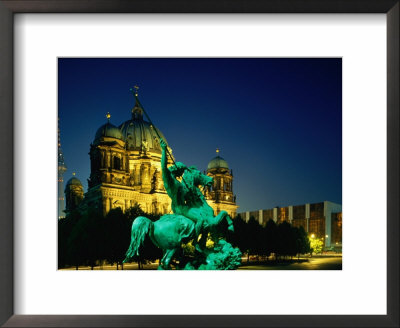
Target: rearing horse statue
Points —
{"points": [[192, 215]]}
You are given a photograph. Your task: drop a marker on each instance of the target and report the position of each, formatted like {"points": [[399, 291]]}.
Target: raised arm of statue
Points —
{"points": [[170, 183]]}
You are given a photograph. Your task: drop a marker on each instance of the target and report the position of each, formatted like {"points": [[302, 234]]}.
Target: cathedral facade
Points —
{"points": [[125, 169]]}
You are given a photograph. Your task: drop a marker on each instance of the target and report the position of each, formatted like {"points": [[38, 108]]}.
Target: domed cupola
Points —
{"points": [[217, 163], [73, 182], [73, 193], [220, 194], [140, 134], [108, 130]]}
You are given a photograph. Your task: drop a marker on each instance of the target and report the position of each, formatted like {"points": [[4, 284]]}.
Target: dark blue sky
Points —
{"points": [[278, 122]]}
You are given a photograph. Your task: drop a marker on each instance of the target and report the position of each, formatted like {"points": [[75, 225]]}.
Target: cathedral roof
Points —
{"points": [[73, 181], [217, 163], [108, 130], [138, 132]]}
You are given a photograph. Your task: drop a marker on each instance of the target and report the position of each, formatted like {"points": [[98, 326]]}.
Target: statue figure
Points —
{"points": [[168, 233], [191, 217], [186, 197], [145, 147]]}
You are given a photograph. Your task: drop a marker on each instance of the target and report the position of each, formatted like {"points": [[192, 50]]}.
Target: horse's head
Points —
{"points": [[196, 178]]}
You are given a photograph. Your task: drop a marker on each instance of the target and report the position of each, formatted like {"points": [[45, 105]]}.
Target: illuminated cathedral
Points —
{"points": [[125, 169]]}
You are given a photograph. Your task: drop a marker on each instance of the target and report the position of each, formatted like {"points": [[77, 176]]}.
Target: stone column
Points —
{"points": [[159, 181], [145, 177], [137, 174], [290, 214], [126, 204], [107, 204], [275, 214], [307, 217], [260, 217], [152, 170], [109, 159], [127, 164]]}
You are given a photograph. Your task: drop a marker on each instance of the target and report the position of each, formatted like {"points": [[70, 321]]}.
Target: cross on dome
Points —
{"points": [[137, 111], [136, 87]]}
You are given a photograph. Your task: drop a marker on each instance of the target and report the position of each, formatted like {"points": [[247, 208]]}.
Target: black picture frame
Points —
{"points": [[10, 7]]}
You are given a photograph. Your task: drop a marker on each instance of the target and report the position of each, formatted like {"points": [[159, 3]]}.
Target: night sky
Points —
{"points": [[277, 122]]}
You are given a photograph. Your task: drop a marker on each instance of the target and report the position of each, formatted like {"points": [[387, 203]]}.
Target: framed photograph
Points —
{"points": [[310, 96], [213, 141]]}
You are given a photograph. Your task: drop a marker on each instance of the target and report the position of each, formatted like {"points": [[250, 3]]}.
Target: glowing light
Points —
{"points": [[312, 236]]}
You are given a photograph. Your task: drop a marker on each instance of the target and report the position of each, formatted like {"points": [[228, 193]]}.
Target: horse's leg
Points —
{"points": [[221, 215], [169, 254], [162, 265]]}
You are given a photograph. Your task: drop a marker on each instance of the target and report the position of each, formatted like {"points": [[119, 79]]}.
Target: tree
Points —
{"points": [[286, 244], [303, 241], [270, 233], [133, 212], [316, 245], [65, 227], [239, 238], [84, 241], [252, 236], [117, 236]]}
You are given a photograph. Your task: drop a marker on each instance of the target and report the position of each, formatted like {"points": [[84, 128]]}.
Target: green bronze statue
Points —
{"points": [[192, 219]]}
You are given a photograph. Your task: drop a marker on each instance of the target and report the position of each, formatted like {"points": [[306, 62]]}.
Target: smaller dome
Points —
{"points": [[73, 181], [217, 163], [108, 130]]}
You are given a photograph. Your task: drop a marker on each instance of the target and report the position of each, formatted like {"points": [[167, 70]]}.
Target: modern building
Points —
{"points": [[62, 168], [320, 220], [125, 164]]}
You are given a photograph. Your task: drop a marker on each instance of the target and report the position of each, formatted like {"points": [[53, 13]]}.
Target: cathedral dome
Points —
{"points": [[217, 163], [73, 181], [108, 130], [138, 133]]}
